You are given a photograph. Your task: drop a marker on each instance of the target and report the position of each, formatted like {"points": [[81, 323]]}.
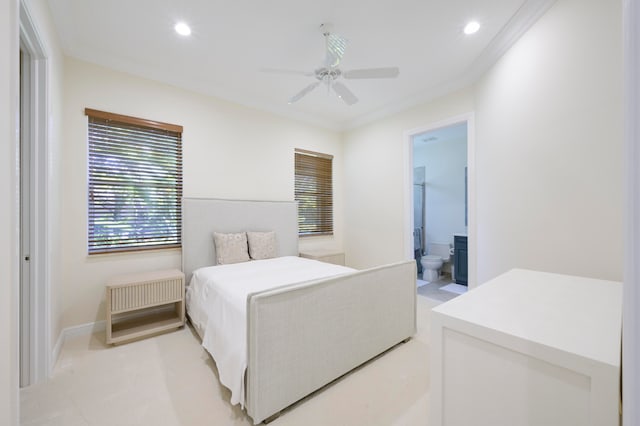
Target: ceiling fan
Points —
{"points": [[328, 73]]}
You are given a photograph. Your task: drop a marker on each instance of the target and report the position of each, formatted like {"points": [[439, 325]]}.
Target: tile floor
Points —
{"points": [[170, 380], [433, 289]]}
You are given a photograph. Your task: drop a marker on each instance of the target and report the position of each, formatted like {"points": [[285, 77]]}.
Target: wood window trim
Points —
{"points": [[132, 120], [314, 154], [316, 234], [317, 221], [133, 250], [122, 121]]}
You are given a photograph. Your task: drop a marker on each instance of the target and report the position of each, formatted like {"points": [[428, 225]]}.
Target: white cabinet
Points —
{"points": [[528, 349]]}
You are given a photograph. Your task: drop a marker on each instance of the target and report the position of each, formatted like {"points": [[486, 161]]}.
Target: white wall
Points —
{"points": [[229, 151], [8, 213], [550, 147], [548, 154], [374, 180], [444, 162]]}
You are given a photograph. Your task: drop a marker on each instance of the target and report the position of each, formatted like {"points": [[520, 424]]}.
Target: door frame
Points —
{"points": [[631, 291], [471, 187], [26, 218], [39, 344]]}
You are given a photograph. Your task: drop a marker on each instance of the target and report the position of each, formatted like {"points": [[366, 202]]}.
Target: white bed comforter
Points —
{"points": [[217, 304]]}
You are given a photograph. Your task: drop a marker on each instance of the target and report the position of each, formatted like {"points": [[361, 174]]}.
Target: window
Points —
{"points": [[135, 183], [314, 193]]}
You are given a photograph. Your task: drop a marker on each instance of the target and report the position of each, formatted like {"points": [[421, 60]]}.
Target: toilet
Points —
{"points": [[437, 255]]}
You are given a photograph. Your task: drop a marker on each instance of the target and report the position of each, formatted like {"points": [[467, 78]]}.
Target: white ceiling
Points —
{"points": [[232, 40]]}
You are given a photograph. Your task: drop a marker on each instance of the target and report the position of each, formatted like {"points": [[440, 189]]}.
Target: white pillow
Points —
{"points": [[231, 248], [262, 245]]}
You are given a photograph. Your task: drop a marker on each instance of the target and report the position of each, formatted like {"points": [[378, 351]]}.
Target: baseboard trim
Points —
{"points": [[56, 353], [93, 327], [75, 331], [85, 329]]}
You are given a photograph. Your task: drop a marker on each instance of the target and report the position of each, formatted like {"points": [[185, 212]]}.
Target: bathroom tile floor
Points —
{"points": [[433, 289]]}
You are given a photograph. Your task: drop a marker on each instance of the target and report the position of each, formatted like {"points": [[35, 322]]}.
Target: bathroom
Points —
{"points": [[440, 208]]}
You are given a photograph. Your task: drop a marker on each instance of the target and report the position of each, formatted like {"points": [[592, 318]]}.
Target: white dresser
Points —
{"points": [[528, 349]]}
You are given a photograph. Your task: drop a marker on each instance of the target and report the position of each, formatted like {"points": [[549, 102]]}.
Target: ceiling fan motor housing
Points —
{"points": [[326, 74]]}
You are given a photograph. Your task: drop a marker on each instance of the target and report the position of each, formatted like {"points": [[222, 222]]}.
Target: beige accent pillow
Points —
{"points": [[262, 245], [231, 248]]}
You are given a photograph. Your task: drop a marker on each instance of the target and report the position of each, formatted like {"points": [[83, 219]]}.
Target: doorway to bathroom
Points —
{"points": [[440, 213]]}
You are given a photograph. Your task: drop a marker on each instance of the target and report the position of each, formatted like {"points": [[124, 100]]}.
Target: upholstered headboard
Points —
{"points": [[203, 216]]}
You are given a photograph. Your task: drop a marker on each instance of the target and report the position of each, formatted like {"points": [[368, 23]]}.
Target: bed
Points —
{"points": [[287, 335]]}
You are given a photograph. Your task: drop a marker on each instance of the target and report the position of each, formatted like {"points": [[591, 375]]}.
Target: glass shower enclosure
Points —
{"points": [[418, 215]]}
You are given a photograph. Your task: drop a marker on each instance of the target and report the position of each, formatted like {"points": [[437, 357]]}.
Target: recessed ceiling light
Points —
{"points": [[471, 28], [182, 29]]}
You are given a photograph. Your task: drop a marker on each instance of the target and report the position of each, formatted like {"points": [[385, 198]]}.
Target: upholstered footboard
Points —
{"points": [[304, 336]]}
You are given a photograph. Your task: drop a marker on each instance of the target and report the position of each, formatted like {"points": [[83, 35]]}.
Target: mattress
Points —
{"points": [[217, 306]]}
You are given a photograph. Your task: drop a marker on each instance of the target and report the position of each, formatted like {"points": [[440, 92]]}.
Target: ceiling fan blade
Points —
{"points": [[285, 71], [303, 92], [336, 47], [391, 72], [343, 93]]}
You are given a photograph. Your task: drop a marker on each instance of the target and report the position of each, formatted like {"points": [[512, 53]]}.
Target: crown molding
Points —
{"points": [[527, 15], [195, 86]]}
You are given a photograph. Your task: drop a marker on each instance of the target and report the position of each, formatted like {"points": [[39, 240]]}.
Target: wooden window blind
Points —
{"points": [[314, 192], [135, 183]]}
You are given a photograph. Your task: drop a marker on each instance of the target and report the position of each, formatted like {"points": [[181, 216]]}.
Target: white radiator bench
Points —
{"points": [[139, 305]]}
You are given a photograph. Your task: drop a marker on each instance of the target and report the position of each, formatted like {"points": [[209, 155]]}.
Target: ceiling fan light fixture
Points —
{"points": [[182, 29], [472, 27]]}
